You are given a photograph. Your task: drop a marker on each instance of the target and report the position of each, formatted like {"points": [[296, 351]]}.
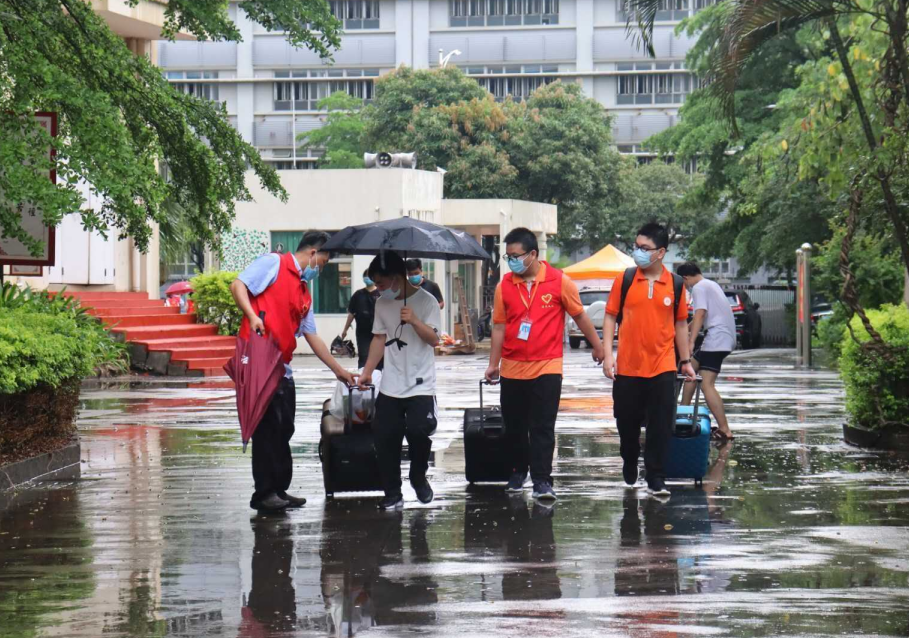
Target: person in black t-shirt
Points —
{"points": [[362, 309], [416, 278]]}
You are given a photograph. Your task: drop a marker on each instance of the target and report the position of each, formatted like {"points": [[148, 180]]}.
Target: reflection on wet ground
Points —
{"points": [[793, 534]]}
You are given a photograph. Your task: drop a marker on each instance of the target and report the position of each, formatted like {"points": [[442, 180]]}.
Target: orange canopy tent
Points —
{"points": [[609, 263]]}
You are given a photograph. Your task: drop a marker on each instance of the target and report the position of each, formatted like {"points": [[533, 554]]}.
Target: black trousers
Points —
{"points": [[272, 463], [363, 343], [651, 401], [529, 409], [414, 418]]}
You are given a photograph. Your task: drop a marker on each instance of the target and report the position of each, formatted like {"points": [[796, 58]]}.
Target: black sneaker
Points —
{"points": [[657, 487], [424, 492], [630, 473], [516, 483], [544, 492], [273, 503], [392, 502], [293, 501]]}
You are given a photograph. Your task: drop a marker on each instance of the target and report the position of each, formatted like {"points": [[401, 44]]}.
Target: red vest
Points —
{"points": [[285, 303], [546, 313]]}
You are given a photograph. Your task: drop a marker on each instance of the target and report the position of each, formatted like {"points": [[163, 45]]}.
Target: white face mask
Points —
{"points": [[389, 293]]}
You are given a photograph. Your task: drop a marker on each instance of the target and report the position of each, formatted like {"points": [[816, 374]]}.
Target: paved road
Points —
{"points": [[794, 533]]}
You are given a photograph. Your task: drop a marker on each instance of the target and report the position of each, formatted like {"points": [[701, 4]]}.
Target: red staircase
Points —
{"points": [[160, 338]]}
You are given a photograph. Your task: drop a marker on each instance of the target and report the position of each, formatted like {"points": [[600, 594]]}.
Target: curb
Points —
{"points": [[64, 461]]}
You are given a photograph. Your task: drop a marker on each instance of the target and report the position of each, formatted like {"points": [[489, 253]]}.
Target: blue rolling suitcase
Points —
{"points": [[689, 449]]}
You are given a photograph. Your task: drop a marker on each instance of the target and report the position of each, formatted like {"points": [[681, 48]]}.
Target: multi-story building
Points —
{"points": [[510, 46]]}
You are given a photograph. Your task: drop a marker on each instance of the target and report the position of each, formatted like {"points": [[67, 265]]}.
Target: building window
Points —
{"points": [[511, 70], [204, 90], [654, 88], [184, 268], [292, 94], [356, 14], [519, 88], [667, 10], [331, 289], [498, 13], [290, 165]]}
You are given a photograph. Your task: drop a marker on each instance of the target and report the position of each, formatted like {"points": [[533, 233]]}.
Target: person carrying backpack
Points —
{"points": [[653, 320]]}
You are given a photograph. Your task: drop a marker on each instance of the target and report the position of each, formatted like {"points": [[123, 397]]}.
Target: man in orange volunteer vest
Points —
{"points": [[527, 343], [277, 284], [653, 325]]}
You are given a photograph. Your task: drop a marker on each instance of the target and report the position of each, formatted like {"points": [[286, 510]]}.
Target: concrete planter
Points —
{"points": [[891, 437], [57, 465]]}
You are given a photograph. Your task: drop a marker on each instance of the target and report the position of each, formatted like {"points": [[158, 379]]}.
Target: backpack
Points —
{"points": [[678, 286]]}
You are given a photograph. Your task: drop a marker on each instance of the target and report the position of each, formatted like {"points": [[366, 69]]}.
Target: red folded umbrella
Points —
{"points": [[257, 368]]}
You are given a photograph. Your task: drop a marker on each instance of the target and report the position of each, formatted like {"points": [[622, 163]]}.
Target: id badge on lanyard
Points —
{"points": [[524, 330], [527, 322]]}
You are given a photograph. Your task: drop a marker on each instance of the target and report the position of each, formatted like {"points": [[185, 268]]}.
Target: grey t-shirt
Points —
{"points": [[720, 322]]}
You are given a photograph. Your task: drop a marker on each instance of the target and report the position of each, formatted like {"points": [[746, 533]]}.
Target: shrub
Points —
{"points": [[108, 355], [214, 303], [877, 386]]}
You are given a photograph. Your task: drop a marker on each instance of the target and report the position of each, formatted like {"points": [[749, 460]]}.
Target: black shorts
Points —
{"points": [[711, 361]]}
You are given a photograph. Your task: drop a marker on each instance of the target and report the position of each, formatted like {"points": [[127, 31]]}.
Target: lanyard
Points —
{"points": [[531, 294]]}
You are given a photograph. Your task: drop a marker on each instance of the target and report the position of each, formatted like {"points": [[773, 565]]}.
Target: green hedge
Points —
{"points": [[214, 303], [43, 349], [877, 388]]}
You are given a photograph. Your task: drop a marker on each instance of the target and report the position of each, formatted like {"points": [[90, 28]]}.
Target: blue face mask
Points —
{"points": [[369, 282], [415, 280], [641, 257], [388, 293], [310, 273], [517, 265]]}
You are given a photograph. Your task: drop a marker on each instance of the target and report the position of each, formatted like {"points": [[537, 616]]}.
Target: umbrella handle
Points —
{"points": [[262, 317]]}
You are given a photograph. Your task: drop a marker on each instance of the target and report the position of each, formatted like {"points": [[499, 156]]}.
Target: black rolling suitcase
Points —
{"points": [[487, 458], [348, 454]]}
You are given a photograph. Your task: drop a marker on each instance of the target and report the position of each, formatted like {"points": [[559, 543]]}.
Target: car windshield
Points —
{"points": [[733, 298], [593, 296]]}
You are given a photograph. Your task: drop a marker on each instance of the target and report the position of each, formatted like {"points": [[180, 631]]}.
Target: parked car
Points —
{"points": [[748, 325], [594, 300], [821, 309]]}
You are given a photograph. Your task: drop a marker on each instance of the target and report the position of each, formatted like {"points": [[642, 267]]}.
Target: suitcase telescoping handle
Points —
{"points": [[697, 395], [482, 383], [348, 410], [482, 414]]}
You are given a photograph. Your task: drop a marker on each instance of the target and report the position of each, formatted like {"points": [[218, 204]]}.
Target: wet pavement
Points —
{"points": [[794, 533]]}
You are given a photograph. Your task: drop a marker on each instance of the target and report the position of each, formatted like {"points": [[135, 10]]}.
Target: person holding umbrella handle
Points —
{"points": [[277, 285], [406, 331]]}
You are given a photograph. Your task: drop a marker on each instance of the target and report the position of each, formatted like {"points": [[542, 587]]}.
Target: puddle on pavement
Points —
{"points": [[794, 533]]}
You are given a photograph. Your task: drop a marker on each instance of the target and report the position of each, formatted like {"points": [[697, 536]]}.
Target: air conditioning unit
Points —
{"points": [[390, 160]]}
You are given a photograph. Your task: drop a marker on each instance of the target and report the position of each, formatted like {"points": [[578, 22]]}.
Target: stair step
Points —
{"points": [[87, 295], [109, 304], [202, 364], [128, 311], [202, 341], [179, 332], [211, 352], [217, 372], [149, 320]]}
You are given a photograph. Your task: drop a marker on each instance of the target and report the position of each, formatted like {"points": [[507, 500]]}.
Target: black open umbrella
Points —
{"points": [[410, 237]]}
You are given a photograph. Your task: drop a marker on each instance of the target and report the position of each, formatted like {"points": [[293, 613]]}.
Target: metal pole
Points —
{"points": [[806, 304], [798, 307]]}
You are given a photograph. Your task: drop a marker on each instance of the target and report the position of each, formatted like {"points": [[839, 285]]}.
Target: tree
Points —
{"points": [[658, 191], [403, 90], [764, 222], [341, 136], [119, 119], [555, 148]]}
